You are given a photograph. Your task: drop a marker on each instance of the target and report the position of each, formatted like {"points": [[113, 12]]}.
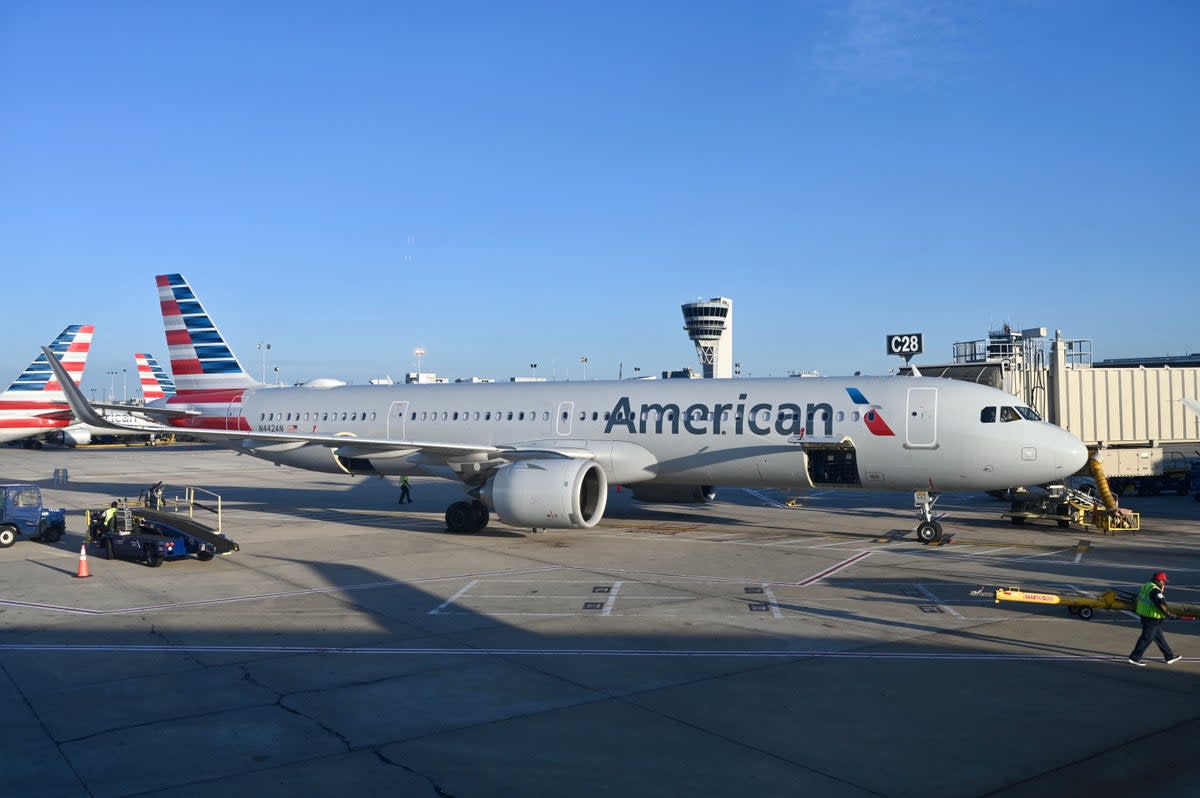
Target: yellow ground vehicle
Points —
{"points": [[1083, 605]]}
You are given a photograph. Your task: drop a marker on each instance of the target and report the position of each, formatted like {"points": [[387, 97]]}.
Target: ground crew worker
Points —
{"points": [[405, 496], [110, 518], [1151, 609]]}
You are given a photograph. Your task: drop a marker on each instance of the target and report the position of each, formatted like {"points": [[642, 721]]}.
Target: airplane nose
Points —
{"points": [[1070, 455]]}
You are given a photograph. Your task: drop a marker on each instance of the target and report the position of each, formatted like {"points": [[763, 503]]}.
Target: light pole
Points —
{"points": [[124, 385], [93, 394], [277, 382], [737, 369], [112, 385], [534, 367], [262, 347], [420, 353], [583, 360]]}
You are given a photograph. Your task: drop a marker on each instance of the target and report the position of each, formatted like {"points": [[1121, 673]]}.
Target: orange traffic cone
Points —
{"points": [[83, 566]]}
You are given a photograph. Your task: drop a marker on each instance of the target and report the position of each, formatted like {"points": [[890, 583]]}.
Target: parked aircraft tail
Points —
{"points": [[37, 382], [200, 359], [156, 383]]}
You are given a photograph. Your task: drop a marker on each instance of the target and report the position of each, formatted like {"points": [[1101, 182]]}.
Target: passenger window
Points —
{"points": [[988, 415], [509, 416], [545, 415], [456, 415], [521, 416]]}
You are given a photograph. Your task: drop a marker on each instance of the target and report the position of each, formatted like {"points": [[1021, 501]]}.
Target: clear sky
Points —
{"points": [[504, 183]]}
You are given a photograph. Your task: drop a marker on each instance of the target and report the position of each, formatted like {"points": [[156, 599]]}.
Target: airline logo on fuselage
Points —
{"points": [[721, 418], [789, 418]]}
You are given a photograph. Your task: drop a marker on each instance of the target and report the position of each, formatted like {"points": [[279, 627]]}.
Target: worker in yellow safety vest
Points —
{"points": [[1151, 610], [110, 518]]}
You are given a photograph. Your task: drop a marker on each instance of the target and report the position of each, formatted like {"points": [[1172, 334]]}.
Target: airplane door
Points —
{"points": [[233, 414], [395, 422], [921, 429], [562, 424]]}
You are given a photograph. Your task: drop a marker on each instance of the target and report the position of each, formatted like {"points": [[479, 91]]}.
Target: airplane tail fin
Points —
{"points": [[38, 383], [200, 358], [156, 383]]}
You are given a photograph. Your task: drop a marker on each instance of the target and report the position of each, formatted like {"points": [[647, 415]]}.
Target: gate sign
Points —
{"points": [[905, 344]]}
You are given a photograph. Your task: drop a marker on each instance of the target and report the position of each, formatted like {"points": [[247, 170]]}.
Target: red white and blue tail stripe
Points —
{"points": [[37, 382], [35, 402], [155, 382], [200, 358]]}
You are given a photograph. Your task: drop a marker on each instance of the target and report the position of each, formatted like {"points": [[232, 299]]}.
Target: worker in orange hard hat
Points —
{"points": [[1152, 609]]}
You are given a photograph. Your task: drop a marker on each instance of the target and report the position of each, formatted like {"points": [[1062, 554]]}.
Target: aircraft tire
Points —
{"points": [[481, 514], [460, 518], [929, 531]]}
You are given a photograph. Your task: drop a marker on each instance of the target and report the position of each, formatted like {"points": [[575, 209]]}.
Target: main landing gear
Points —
{"points": [[463, 518], [928, 530]]}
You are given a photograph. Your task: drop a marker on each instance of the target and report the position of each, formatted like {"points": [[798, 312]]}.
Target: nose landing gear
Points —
{"points": [[928, 530]]}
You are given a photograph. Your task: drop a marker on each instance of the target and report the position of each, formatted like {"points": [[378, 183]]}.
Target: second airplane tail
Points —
{"points": [[200, 359], [156, 383], [38, 383]]}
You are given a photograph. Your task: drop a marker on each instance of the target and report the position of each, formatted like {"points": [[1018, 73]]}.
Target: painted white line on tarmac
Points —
{"points": [[772, 602], [612, 598], [945, 607], [73, 648], [833, 569], [462, 591]]}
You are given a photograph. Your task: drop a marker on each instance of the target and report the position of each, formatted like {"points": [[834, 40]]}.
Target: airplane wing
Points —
{"points": [[346, 445]]}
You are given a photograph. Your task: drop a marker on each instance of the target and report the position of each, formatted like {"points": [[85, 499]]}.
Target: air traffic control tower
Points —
{"points": [[709, 323]]}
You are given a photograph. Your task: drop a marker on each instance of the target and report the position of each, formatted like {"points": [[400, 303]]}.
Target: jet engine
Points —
{"points": [[549, 494], [76, 437], [674, 494]]}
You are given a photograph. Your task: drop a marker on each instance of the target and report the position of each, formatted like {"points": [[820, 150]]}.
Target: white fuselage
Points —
{"points": [[898, 433]]}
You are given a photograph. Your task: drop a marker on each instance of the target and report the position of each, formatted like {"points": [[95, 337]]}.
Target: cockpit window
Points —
{"points": [[1028, 413], [1009, 414], [988, 415]]}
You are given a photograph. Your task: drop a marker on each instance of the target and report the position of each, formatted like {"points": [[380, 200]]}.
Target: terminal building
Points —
{"points": [[709, 323]]}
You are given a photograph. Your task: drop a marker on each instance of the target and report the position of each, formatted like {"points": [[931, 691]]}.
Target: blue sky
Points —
{"points": [[507, 183]]}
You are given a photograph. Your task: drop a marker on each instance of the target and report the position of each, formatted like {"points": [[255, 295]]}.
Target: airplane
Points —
{"points": [[34, 403], [155, 384], [542, 455]]}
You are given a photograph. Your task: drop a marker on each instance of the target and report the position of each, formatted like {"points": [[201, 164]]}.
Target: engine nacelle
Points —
{"points": [[674, 494], [76, 437], [549, 494]]}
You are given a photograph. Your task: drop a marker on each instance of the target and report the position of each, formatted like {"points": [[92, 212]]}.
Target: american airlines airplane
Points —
{"points": [[34, 403], [155, 385], [542, 455]]}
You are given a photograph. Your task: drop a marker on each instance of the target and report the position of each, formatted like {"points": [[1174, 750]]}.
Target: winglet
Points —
{"points": [[79, 405]]}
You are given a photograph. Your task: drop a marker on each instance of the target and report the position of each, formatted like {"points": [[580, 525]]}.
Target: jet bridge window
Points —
{"points": [[987, 415]]}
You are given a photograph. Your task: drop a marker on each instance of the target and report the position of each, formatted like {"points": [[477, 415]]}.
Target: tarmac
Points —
{"points": [[742, 647]]}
